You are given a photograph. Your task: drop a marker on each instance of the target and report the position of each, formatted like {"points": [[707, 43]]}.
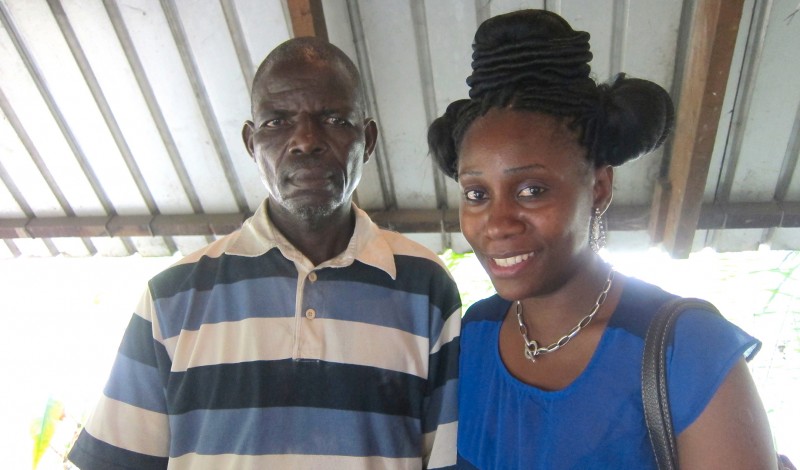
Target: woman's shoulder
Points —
{"points": [[641, 301], [491, 309], [638, 304]]}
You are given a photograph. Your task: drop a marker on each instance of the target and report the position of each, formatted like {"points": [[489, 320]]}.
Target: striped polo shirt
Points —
{"points": [[246, 356]]}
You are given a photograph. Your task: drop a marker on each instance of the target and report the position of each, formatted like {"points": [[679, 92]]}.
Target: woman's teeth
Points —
{"points": [[506, 262]]}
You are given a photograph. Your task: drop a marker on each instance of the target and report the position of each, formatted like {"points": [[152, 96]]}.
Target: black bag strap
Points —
{"points": [[654, 378]]}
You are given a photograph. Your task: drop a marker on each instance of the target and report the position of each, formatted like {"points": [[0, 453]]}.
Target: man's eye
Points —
{"points": [[336, 121], [474, 195], [278, 122]]}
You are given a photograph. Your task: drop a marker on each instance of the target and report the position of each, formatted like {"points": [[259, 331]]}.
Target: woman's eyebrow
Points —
{"points": [[520, 169]]}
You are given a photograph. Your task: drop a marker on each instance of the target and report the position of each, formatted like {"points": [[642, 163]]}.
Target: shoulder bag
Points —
{"points": [[654, 382]]}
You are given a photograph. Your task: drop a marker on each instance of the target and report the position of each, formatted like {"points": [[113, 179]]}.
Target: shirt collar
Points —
{"points": [[258, 235]]}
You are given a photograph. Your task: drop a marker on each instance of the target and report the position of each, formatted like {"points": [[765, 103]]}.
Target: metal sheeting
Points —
{"points": [[118, 117]]}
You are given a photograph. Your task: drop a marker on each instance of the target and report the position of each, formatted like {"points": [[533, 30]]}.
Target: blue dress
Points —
{"points": [[597, 422]]}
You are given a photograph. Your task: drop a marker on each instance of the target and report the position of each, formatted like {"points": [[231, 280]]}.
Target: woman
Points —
{"points": [[550, 366]]}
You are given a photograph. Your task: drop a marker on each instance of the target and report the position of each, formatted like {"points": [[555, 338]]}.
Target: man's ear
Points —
{"points": [[603, 186], [247, 136], [370, 137]]}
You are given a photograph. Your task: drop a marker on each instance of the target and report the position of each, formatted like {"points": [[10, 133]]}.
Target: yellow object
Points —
{"points": [[42, 429]]}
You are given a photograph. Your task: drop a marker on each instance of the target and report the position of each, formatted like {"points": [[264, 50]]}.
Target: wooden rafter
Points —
{"points": [[620, 218], [307, 18], [678, 197]]}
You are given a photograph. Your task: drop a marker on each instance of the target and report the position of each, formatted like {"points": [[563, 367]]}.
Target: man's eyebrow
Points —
{"points": [[266, 113], [345, 109], [271, 110]]}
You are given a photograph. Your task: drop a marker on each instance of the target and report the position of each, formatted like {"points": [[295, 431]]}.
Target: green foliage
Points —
{"points": [[473, 282]]}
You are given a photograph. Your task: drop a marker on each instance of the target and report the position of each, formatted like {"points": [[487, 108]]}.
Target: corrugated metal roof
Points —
{"points": [[121, 120]]}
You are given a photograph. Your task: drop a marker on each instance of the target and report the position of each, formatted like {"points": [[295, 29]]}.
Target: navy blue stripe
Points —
{"points": [[207, 272], [262, 384], [417, 275], [138, 345], [266, 431], [138, 336], [444, 364], [89, 453]]}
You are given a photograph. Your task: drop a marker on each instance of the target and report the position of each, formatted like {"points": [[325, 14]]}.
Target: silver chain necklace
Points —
{"points": [[532, 348]]}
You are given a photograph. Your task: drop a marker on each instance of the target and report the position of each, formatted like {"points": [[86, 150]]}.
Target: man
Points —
{"points": [[309, 338]]}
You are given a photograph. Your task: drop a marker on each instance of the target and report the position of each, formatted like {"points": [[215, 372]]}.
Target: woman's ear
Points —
{"points": [[603, 186]]}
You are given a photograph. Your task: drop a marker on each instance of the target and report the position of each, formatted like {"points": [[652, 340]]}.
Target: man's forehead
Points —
{"points": [[302, 84], [310, 85], [304, 91]]}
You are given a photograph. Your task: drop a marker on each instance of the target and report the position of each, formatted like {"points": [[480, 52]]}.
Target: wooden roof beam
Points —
{"points": [[620, 218], [307, 18], [679, 195]]}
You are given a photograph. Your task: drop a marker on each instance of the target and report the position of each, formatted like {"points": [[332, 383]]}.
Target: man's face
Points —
{"points": [[309, 138]]}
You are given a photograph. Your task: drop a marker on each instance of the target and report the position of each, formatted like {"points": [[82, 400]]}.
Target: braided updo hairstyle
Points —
{"points": [[533, 60]]}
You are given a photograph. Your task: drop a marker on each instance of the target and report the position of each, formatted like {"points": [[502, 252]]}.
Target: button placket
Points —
{"points": [[310, 332], [310, 312]]}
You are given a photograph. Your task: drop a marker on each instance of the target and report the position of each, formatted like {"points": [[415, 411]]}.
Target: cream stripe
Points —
{"points": [[321, 462], [146, 310], [253, 339], [145, 306], [441, 444], [372, 345], [129, 427], [450, 330], [271, 339]]}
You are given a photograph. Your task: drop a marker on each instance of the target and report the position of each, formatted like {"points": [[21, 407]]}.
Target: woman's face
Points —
{"points": [[528, 192]]}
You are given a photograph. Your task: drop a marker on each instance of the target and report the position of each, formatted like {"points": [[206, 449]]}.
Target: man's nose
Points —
{"points": [[307, 138]]}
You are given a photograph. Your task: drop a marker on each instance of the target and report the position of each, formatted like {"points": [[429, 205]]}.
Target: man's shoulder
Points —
{"points": [[403, 246], [214, 249], [203, 264]]}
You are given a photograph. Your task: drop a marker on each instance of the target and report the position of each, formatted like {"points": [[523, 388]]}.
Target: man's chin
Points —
{"points": [[311, 211]]}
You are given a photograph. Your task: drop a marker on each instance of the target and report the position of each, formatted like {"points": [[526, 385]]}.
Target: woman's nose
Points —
{"points": [[503, 220]]}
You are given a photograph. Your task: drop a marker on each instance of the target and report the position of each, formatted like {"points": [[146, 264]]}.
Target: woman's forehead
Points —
{"points": [[509, 129]]}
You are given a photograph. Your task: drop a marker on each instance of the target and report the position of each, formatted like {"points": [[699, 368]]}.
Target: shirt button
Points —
{"points": [[311, 313], [312, 277]]}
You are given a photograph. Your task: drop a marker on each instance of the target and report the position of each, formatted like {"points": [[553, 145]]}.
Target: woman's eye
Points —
{"points": [[474, 195], [531, 191]]}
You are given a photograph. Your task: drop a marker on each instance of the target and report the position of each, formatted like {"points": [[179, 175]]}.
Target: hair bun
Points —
{"points": [[442, 138], [637, 116], [531, 49]]}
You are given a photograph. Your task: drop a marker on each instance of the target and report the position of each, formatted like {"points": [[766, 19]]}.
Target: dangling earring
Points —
{"points": [[597, 234]]}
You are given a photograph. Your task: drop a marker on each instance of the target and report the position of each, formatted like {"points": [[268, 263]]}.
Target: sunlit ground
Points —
{"points": [[64, 319]]}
